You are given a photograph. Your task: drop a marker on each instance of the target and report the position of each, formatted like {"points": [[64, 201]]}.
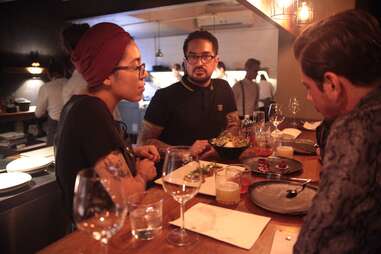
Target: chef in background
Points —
{"points": [[49, 100]]}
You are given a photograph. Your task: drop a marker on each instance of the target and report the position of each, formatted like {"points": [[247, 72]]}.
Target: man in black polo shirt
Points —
{"points": [[195, 109]]}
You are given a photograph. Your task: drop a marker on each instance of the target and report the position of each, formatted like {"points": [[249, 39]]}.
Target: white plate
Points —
{"points": [[13, 181], [28, 164]]}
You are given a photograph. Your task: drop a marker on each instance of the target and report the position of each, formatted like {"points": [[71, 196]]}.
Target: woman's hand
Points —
{"points": [[148, 152], [146, 169]]}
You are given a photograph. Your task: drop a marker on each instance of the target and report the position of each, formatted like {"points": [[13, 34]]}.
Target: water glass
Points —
{"points": [[228, 185], [146, 214]]}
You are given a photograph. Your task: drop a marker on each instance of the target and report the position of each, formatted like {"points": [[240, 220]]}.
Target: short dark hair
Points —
{"points": [[348, 44], [204, 35], [251, 62], [220, 65]]}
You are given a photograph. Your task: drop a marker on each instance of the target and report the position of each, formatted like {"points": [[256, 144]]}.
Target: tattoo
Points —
{"points": [[149, 136], [113, 163], [232, 120]]}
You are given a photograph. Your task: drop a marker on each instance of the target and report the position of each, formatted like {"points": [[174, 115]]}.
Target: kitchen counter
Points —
{"points": [[32, 217], [18, 116]]}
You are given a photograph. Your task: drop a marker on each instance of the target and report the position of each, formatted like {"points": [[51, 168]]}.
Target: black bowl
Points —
{"points": [[229, 153]]}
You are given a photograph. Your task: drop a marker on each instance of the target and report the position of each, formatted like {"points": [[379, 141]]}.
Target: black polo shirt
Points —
{"points": [[188, 112]]}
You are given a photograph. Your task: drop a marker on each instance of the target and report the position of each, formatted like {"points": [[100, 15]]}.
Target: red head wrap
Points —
{"points": [[98, 52]]}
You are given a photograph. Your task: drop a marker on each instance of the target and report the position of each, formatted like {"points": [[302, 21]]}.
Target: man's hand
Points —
{"points": [[203, 149], [148, 152], [146, 169]]}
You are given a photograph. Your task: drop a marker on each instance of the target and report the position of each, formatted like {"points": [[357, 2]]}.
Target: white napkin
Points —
{"points": [[209, 186], [234, 227], [290, 133], [311, 125], [283, 242]]}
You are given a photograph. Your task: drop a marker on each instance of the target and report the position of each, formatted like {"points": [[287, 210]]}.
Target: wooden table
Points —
{"points": [[123, 242]]}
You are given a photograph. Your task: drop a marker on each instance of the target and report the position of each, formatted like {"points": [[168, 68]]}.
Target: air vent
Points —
{"points": [[226, 20]]}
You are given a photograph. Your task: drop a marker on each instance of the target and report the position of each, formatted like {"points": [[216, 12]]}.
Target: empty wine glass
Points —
{"points": [[276, 116], [294, 107], [182, 179], [98, 205]]}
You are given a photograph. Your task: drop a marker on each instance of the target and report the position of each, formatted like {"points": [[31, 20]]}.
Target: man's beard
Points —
{"points": [[201, 81]]}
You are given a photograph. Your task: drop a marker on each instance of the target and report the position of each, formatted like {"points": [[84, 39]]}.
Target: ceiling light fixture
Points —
{"points": [[35, 68], [158, 53], [304, 13]]}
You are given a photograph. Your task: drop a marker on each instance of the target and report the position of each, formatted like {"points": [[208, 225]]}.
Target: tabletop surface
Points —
{"points": [[124, 242]]}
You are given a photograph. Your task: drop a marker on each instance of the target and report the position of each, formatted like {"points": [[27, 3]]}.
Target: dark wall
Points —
{"points": [[33, 25]]}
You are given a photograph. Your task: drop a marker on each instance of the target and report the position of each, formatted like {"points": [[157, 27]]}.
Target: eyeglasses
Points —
{"points": [[140, 68], [193, 59]]}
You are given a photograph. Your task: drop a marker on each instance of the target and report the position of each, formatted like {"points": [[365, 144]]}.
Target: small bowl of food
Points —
{"points": [[229, 146]]}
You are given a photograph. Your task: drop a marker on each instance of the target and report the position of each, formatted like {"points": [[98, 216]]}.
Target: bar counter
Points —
{"points": [[32, 217], [124, 242]]}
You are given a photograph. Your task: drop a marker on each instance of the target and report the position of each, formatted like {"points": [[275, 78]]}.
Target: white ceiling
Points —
{"points": [[183, 19]]}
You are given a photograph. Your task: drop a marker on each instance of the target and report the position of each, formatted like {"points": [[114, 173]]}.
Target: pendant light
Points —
{"points": [[158, 53]]}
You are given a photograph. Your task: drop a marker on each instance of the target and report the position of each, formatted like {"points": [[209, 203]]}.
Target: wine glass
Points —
{"points": [[98, 205], [276, 116], [182, 178], [294, 107], [259, 118]]}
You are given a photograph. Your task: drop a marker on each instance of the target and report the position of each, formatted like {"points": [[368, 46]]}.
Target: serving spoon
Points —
{"points": [[293, 193]]}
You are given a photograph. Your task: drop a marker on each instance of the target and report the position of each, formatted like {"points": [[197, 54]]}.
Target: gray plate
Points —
{"points": [[271, 195], [292, 166]]}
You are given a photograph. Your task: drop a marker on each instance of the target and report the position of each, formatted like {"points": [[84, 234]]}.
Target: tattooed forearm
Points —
{"points": [[113, 163], [149, 136]]}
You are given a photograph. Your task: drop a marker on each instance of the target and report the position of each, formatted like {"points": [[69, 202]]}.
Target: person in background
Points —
{"points": [[49, 99], [340, 61], [266, 94], [195, 109], [88, 136], [176, 69], [221, 71], [246, 91]]}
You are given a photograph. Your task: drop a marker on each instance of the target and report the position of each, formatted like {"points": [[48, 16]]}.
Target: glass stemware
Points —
{"points": [[98, 205], [294, 107], [182, 178], [276, 116]]}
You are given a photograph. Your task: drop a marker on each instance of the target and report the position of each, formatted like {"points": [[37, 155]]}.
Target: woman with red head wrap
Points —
{"points": [[109, 60]]}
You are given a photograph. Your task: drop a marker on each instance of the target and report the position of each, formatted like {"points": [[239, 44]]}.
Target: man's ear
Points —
{"points": [[332, 86]]}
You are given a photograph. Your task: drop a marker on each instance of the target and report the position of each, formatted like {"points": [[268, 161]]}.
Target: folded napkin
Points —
{"points": [[234, 227], [283, 242], [311, 125], [287, 133], [208, 187]]}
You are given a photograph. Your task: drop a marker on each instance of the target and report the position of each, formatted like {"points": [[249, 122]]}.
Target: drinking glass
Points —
{"points": [[276, 116], [98, 205], [294, 107], [182, 178], [264, 142]]}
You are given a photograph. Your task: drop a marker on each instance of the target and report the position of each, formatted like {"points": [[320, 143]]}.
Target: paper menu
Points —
{"points": [[238, 228]]}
